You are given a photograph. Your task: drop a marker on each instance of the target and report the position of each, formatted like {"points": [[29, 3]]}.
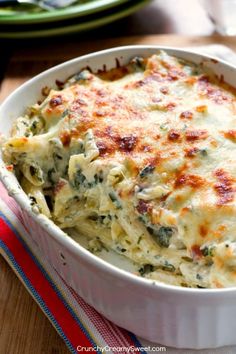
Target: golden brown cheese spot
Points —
{"points": [[79, 107], [105, 148], [152, 161], [218, 233], [197, 134], [175, 74], [196, 252], [193, 181], [201, 109], [10, 167], [230, 134], [127, 143], [224, 188], [56, 105], [100, 92], [84, 123], [192, 152], [203, 230], [174, 135], [185, 210], [170, 106], [145, 148], [55, 101], [143, 207], [113, 74], [211, 91], [148, 82], [113, 141], [99, 113], [186, 115], [179, 198], [217, 95], [81, 102], [214, 143], [164, 90], [65, 137], [190, 80]]}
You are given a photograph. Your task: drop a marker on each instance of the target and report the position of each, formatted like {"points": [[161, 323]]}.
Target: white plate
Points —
{"points": [[65, 27]]}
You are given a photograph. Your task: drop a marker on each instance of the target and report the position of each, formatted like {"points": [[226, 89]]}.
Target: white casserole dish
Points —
{"points": [[173, 316]]}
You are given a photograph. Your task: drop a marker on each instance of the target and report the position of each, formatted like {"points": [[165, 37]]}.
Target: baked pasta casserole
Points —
{"points": [[142, 160]]}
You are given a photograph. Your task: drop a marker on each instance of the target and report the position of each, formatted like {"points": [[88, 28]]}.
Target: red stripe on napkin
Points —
{"points": [[43, 287]]}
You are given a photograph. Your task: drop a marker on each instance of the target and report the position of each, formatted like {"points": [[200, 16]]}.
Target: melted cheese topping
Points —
{"points": [[142, 160]]}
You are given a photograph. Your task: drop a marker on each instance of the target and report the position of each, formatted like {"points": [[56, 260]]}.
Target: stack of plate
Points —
{"points": [[29, 22]]}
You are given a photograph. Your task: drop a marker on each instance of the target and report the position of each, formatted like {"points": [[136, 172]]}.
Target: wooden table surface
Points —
{"points": [[23, 327]]}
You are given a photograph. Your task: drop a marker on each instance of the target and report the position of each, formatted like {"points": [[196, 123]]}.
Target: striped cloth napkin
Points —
{"points": [[82, 328], [76, 322]]}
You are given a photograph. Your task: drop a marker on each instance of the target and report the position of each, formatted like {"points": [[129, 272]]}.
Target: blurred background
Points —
{"points": [[105, 18]]}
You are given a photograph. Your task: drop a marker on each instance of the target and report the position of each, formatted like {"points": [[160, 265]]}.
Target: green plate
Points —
{"points": [[22, 15], [73, 26]]}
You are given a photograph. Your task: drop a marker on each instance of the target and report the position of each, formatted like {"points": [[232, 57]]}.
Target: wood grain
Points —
{"points": [[23, 327]]}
